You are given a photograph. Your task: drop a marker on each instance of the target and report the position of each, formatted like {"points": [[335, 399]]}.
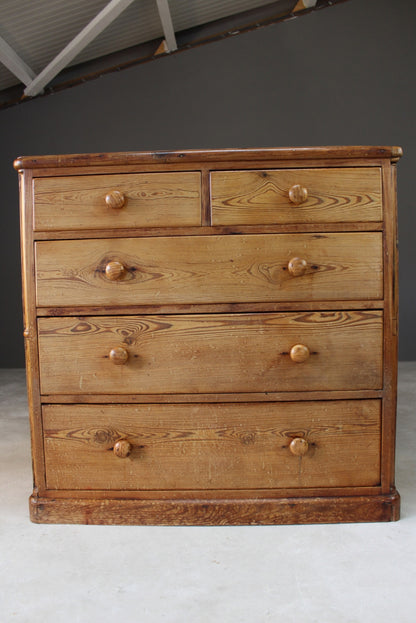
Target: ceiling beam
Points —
{"points": [[167, 25], [14, 63], [301, 5], [74, 47]]}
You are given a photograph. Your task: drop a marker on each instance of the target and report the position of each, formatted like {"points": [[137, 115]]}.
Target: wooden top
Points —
{"points": [[212, 155]]}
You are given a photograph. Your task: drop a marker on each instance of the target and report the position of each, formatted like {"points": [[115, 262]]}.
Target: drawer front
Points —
{"points": [[210, 269], [213, 446], [296, 196], [117, 201], [211, 353]]}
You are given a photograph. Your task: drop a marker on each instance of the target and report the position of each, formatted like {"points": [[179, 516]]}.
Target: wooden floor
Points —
{"points": [[346, 573]]}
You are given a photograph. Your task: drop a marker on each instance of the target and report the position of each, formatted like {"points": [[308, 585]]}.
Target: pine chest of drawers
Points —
{"points": [[211, 335]]}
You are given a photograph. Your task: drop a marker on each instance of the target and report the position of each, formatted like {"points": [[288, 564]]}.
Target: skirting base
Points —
{"points": [[218, 512]]}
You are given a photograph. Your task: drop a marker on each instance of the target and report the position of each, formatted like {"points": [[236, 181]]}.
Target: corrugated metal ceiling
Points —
{"points": [[39, 29], [55, 44]]}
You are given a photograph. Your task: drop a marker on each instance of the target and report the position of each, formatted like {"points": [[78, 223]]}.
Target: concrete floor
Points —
{"points": [[351, 573]]}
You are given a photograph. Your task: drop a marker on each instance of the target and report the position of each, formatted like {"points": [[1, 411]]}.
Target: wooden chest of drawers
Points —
{"points": [[211, 336]]}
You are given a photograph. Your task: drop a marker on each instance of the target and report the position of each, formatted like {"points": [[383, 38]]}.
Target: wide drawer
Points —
{"points": [[296, 196], [213, 446], [211, 353], [210, 269], [117, 201]]}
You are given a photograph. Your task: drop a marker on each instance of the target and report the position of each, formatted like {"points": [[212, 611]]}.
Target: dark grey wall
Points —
{"points": [[340, 76]]}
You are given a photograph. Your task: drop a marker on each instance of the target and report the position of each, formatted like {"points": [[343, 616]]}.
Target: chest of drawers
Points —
{"points": [[211, 336]]}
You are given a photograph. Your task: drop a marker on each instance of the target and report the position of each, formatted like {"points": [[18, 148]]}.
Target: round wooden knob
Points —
{"points": [[298, 194], [114, 270], [298, 446], [299, 353], [119, 355], [115, 199], [122, 448], [297, 266]]}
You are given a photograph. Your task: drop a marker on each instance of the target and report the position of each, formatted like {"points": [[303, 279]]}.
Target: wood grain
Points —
{"points": [[390, 354], [213, 446], [210, 308], [212, 397], [262, 197], [209, 269], [154, 199], [206, 387], [220, 512], [156, 166], [211, 494], [30, 329], [205, 230], [183, 158], [211, 353]]}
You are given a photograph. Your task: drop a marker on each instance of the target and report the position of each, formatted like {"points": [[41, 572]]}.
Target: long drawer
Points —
{"points": [[204, 269], [272, 445], [211, 353], [117, 201], [296, 196]]}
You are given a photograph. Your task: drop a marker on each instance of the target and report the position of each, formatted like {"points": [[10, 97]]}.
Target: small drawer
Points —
{"points": [[206, 353], [296, 196], [117, 201], [210, 269], [212, 446]]}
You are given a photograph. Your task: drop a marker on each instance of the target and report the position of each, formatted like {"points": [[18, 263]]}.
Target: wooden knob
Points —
{"points": [[297, 266], [119, 355], [299, 353], [114, 270], [122, 448], [298, 194], [298, 446], [115, 199]]}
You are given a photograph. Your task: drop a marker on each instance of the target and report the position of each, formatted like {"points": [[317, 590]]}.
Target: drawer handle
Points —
{"points": [[114, 270], [299, 446], [122, 448], [119, 356], [297, 266], [298, 194], [299, 353], [115, 199]]}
